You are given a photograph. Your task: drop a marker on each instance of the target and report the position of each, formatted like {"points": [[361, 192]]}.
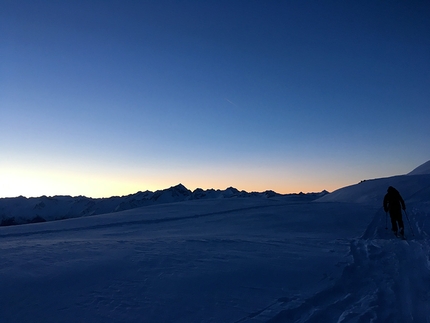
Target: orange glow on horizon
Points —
{"points": [[33, 184]]}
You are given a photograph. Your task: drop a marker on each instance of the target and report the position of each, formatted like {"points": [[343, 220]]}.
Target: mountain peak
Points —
{"points": [[180, 187]]}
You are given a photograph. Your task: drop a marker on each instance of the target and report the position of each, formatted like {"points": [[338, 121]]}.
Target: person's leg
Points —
{"points": [[396, 219], [400, 222], [393, 223]]}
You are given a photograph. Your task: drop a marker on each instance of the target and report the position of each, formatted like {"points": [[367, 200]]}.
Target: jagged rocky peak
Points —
{"points": [[232, 190], [176, 192], [180, 188]]}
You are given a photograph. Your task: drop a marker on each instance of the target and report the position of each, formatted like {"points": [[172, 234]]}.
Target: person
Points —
{"points": [[394, 203]]}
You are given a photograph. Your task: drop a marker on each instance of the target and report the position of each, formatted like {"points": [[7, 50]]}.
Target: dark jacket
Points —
{"points": [[393, 201]]}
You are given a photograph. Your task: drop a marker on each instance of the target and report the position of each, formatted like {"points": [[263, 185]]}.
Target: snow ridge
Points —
{"points": [[422, 169], [372, 191]]}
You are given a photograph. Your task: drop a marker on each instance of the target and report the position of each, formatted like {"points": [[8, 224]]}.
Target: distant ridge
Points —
{"points": [[22, 210]]}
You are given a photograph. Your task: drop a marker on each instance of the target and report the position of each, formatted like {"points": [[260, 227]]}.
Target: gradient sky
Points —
{"points": [[102, 98]]}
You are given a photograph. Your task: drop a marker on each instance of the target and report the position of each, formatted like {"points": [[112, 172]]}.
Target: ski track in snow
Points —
{"points": [[387, 280]]}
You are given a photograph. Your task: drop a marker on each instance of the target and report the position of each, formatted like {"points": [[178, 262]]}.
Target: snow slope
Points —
{"points": [[422, 169], [372, 191], [225, 260], [414, 186], [195, 261]]}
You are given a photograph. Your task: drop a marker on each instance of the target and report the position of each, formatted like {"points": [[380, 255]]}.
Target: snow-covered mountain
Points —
{"points": [[250, 260], [414, 186], [235, 260], [422, 169], [21, 210]]}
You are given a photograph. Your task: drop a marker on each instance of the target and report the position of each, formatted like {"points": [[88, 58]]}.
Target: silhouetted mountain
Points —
{"points": [[21, 210]]}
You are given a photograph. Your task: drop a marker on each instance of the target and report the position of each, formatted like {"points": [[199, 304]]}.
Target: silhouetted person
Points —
{"points": [[393, 203]]}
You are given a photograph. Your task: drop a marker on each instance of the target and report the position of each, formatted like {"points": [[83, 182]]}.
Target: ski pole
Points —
{"points": [[410, 226], [386, 217]]}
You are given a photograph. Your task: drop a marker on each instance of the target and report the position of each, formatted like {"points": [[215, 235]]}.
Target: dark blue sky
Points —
{"points": [[110, 97]]}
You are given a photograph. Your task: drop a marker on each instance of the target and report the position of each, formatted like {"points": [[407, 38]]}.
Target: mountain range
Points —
{"points": [[22, 210]]}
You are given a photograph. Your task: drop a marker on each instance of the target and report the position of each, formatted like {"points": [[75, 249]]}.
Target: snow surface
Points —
{"points": [[226, 260], [422, 169]]}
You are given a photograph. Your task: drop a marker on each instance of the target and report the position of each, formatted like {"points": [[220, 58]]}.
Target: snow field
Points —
{"points": [[248, 260], [175, 263]]}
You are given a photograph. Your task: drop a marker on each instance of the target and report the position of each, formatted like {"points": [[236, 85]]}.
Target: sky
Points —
{"points": [[103, 98]]}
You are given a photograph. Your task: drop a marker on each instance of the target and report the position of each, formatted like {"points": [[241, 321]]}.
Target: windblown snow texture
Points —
{"points": [[225, 260]]}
